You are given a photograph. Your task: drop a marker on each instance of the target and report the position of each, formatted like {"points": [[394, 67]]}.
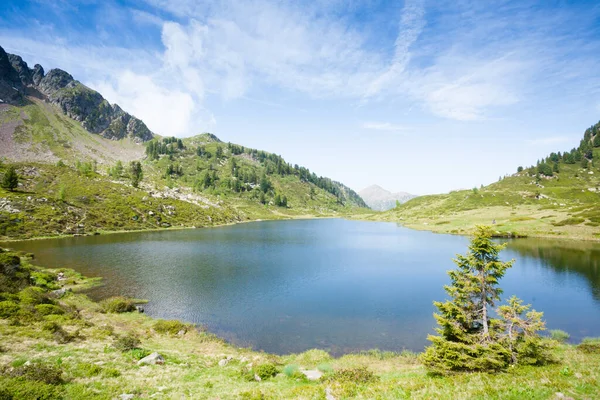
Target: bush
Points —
{"points": [[48, 374], [266, 371], [138, 354], [589, 346], [44, 279], [127, 343], [560, 336], [49, 309], [8, 309], [117, 305], [111, 373], [290, 370], [58, 333], [355, 375], [33, 296], [17, 388], [87, 370], [171, 327]]}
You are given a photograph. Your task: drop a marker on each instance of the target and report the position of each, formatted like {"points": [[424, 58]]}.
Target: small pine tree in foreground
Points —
{"points": [[469, 338], [10, 180]]}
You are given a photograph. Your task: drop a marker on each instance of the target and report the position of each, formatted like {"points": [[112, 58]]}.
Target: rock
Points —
{"points": [[152, 359], [126, 396], [223, 363], [181, 332], [312, 375], [328, 394], [244, 359], [139, 309], [257, 378], [59, 293]]}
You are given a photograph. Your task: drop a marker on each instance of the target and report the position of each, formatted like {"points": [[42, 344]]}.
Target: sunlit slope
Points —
{"points": [[558, 197], [39, 132]]}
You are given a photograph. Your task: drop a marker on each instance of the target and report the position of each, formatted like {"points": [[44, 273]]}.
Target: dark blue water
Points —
{"points": [[343, 286]]}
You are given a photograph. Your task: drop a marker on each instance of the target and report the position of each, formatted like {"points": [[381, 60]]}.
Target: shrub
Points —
{"points": [[355, 375], [138, 354], [58, 333], [117, 305], [48, 374], [559, 335], [87, 370], [171, 327], [127, 343], [589, 345], [44, 279], [33, 296], [290, 370], [325, 368], [23, 389], [266, 371], [8, 309], [9, 263], [111, 373], [313, 357], [49, 309]]}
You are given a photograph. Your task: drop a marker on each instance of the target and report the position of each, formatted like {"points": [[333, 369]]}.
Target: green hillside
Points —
{"points": [[559, 196], [76, 182]]}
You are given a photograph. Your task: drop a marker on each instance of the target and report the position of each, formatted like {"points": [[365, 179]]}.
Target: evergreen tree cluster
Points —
{"points": [[582, 155], [168, 146], [469, 337]]}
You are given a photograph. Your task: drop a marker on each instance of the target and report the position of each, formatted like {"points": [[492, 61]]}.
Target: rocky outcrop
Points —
{"points": [[76, 100]]}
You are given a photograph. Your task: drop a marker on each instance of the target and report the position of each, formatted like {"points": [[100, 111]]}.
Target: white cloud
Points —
{"points": [[165, 111]]}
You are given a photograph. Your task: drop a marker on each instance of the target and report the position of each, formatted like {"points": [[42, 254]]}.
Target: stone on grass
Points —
{"points": [[152, 359], [312, 375]]}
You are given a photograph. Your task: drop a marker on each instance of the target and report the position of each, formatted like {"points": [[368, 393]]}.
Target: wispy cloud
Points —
{"points": [[436, 59]]}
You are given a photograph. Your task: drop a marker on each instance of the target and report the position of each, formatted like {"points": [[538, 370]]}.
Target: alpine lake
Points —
{"points": [[333, 284]]}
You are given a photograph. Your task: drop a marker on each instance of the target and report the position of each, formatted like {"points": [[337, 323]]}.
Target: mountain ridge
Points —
{"points": [[75, 100], [75, 155]]}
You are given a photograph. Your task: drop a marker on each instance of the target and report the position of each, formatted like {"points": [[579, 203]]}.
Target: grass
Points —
{"points": [[66, 200], [100, 362], [563, 206]]}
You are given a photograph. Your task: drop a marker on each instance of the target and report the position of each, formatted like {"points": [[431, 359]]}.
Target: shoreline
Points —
{"points": [[171, 228]]}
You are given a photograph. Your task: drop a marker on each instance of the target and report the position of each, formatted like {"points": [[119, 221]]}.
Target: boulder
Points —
{"points": [[152, 359], [312, 375]]}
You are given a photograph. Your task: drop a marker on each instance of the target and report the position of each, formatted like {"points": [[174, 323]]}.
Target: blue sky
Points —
{"points": [[418, 95]]}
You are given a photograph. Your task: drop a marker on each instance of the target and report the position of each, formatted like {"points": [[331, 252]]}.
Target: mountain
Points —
{"points": [[557, 197], [73, 152], [379, 199], [18, 83]]}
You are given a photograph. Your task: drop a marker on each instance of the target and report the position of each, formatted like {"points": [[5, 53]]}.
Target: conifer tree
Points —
{"points": [[10, 180], [136, 173], [520, 333], [469, 338]]}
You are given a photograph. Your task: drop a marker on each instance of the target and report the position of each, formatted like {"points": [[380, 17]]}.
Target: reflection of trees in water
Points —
{"points": [[582, 258]]}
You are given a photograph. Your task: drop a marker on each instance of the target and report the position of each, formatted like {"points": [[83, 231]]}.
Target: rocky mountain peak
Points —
{"points": [[76, 100]]}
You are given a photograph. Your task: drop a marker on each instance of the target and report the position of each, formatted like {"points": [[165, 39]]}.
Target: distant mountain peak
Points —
{"points": [[380, 199]]}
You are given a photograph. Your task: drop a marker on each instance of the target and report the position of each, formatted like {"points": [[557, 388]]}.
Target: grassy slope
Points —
{"points": [[94, 369], [566, 208], [57, 200]]}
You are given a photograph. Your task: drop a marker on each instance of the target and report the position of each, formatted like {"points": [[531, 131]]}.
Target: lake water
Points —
{"points": [[343, 286]]}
